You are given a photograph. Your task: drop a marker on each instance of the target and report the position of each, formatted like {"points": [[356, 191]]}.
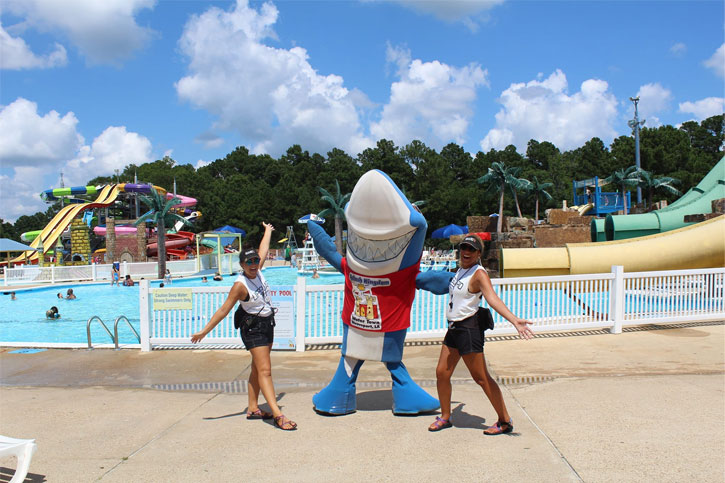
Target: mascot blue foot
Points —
{"points": [[408, 397], [339, 397]]}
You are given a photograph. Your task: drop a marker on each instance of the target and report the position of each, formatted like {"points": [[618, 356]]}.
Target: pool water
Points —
{"points": [[23, 320]]}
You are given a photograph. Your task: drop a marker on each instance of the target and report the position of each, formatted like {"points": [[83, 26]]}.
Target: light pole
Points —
{"points": [[635, 124]]}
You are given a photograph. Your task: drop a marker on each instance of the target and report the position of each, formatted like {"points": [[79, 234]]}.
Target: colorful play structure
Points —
{"points": [[589, 198], [46, 240], [660, 240]]}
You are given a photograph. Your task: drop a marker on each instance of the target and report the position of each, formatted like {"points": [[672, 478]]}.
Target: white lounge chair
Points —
{"points": [[23, 450]]}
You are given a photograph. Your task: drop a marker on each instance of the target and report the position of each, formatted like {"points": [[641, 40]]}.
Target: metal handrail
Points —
{"points": [[88, 330], [115, 329]]}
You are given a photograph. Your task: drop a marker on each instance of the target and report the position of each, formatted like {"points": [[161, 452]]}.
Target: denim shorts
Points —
{"points": [[259, 333], [466, 340]]}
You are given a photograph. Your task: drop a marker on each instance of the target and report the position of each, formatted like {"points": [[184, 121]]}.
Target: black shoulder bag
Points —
{"points": [[485, 319], [242, 317]]}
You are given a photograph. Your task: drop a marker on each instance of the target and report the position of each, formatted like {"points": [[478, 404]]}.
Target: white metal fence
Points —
{"points": [[569, 302], [34, 274]]}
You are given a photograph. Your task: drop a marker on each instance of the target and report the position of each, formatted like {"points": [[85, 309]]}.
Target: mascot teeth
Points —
{"points": [[377, 250]]}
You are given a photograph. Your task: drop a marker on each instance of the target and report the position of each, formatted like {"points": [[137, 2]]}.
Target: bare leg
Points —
{"points": [[253, 389], [476, 364], [446, 365], [263, 364]]}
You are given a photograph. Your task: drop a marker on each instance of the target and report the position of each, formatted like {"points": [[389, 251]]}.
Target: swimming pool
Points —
{"points": [[23, 320]]}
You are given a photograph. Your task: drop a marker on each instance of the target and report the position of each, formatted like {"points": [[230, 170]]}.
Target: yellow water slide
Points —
{"points": [[50, 234], [695, 246]]}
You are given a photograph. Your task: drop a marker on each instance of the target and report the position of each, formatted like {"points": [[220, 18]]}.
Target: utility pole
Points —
{"points": [[135, 195], [635, 125], [62, 185]]}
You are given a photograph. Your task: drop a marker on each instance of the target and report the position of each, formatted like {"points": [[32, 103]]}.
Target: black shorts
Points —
{"points": [[259, 333], [466, 340]]}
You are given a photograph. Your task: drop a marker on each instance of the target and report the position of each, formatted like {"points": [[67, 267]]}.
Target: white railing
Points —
{"points": [[567, 302], [34, 274]]}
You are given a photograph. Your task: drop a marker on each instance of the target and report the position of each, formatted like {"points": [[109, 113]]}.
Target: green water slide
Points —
{"points": [[696, 201]]}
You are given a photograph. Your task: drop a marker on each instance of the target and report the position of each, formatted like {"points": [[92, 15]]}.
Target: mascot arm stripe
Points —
{"points": [[324, 245], [434, 281]]}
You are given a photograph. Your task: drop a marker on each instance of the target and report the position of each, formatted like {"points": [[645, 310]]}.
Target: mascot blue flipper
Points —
{"points": [[382, 270]]}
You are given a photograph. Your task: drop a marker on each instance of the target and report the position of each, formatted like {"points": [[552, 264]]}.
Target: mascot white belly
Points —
{"points": [[381, 267]]}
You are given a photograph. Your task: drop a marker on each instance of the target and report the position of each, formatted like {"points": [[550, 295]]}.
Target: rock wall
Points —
{"points": [[80, 244]]}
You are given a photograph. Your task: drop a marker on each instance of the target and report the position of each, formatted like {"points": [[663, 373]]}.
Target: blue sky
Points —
{"points": [[87, 87]]}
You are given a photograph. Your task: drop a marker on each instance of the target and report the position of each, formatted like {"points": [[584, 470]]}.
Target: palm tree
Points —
{"points": [[649, 184], [517, 184], [538, 190], [162, 216], [497, 178], [337, 209], [624, 178]]}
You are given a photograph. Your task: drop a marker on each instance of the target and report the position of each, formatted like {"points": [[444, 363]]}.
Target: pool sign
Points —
{"points": [[172, 299], [283, 303]]}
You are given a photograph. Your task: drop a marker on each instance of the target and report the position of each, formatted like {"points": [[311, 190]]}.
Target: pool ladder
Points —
{"points": [[113, 336]]}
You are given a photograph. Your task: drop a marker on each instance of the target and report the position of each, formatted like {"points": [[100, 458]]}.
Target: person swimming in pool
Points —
{"points": [[69, 295], [59, 295], [52, 313]]}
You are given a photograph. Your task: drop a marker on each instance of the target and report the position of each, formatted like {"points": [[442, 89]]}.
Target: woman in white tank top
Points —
{"points": [[251, 291], [464, 338]]}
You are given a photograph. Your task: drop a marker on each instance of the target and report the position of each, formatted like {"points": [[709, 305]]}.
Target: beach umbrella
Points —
{"points": [[312, 217], [8, 246], [449, 230]]}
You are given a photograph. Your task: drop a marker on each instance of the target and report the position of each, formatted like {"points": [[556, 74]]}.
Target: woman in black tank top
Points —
{"points": [[464, 340], [260, 377]]}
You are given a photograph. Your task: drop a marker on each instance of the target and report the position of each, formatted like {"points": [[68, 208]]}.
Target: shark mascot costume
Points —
{"points": [[381, 268]]}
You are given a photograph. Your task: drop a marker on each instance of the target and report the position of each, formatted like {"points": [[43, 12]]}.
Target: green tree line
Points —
{"points": [[242, 189]]}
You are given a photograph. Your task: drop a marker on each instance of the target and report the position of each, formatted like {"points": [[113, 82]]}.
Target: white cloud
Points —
{"points": [[273, 97], [114, 148], [201, 163], [431, 102], [543, 110], [209, 139], [16, 54], [103, 31], [679, 49], [704, 108], [35, 149], [27, 138], [470, 12], [20, 194], [717, 61], [653, 99]]}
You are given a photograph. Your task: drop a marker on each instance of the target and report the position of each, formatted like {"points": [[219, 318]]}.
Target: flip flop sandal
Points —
{"points": [[501, 427], [259, 414], [284, 424], [439, 424]]}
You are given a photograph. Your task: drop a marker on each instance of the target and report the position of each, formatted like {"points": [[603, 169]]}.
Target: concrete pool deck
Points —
{"points": [[646, 405]]}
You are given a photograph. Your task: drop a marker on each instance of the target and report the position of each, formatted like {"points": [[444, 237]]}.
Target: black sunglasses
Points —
{"points": [[252, 261]]}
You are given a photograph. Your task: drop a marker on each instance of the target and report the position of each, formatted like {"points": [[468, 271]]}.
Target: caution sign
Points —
{"points": [[172, 299]]}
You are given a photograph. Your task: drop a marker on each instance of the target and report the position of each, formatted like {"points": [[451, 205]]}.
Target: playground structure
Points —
{"points": [[697, 200], [48, 239], [593, 201]]}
